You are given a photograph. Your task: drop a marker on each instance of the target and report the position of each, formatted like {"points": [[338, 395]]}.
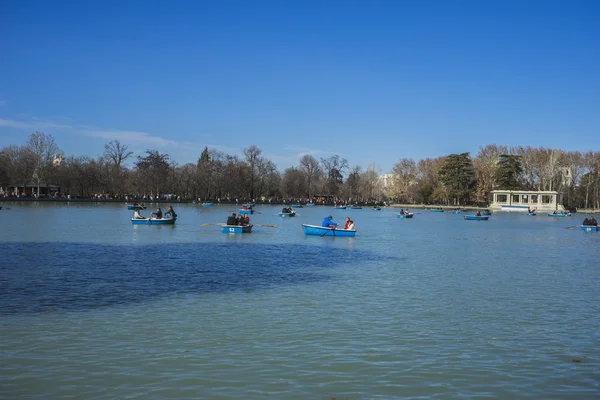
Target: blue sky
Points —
{"points": [[372, 81]]}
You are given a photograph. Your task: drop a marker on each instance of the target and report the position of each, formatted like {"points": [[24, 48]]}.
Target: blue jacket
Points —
{"points": [[328, 223]]}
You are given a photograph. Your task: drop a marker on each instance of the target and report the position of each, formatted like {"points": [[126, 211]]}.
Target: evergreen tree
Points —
{"points": [[508, 175], [457, 174]]}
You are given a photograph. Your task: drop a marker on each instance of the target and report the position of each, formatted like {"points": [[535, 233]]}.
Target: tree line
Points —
{"points": [[456, 179]]}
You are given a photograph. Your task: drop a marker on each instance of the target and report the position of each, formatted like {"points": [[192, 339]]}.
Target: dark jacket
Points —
{"points": [[231, 220]]}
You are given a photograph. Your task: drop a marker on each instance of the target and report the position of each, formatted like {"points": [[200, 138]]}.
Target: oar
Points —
{"points": [[325, 233]]}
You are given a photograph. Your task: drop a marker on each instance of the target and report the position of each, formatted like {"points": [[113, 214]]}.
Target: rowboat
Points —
{"points": [[476, 217], [153, 221], [316, 230], [242, 211], [206, 204], [405, 216], [560, 215], [589, 228], [486, 213], [236, 228], [297, 206], [134, 207], [310, 204], [376, 208], [531, 214], [287, 214], [340, 207], [436, 210]]}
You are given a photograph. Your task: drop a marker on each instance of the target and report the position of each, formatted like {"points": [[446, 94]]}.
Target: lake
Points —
{"points": [[93, 307]]}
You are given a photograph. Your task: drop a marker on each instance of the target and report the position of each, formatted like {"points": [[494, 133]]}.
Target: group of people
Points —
{"points": [[328, 223], [591, 221], [158, 214], [288, 210], [402, 212], [239, 220]]}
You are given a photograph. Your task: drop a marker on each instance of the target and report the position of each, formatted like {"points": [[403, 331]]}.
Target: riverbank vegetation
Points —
{"points": [[450, 179]]}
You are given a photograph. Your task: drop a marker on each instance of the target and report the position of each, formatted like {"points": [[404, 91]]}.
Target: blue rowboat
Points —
{"points": [[531, 214], [340, 208], [316, 230], [287, 214], [405, 216], [456, 212], [132, 207], [206, 204], [486, 213], [476, 217], [436, 210], [246, 211], [310, 204], [589, 228], [236, 228], [297, 206], [561, 215], [153, 221]]}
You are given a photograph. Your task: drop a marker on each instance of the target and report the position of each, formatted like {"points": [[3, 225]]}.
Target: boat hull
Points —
{"points": [[559, 215], [206, 204], [476, 218], [236, 228], [589, 228], [531, 214], [287, 215], [246, 212], [153, 221], [436, 210], [315, 230], [404, 216], [310, 205], [340, 208]]}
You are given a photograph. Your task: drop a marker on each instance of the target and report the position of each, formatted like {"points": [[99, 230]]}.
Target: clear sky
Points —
{"points": [[372, 81]]}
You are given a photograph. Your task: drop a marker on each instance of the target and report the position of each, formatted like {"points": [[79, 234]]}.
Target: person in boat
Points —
{"points": [[231, 220], [328, 223], [158, 214], [478, 214], [240, 219], [351, 226], [246, 220], [587, 222], [137, 215], [593, 222], [402, 211], [555, 212], [171, 213], [244, 207], [347, 223], [285, 210]]}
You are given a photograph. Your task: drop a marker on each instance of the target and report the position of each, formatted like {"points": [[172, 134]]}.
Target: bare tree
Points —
{"points": [[334, 167], [252, 155], [312, 170], [44, 150]]}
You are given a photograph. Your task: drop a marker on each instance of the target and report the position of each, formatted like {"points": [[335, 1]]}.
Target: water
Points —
{"points": [[434, 307]]}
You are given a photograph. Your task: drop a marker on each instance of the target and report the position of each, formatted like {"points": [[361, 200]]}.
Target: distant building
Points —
{"points": [[58, 160], [521, 200]]}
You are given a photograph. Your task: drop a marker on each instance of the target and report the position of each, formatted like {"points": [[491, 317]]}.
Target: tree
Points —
{"points": [[312, 171], [252, 155], [334, 167], [508, 173], [43, 149], [153, 170], [426, 191], [115, 154], [404, 176], [457, 175]]}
